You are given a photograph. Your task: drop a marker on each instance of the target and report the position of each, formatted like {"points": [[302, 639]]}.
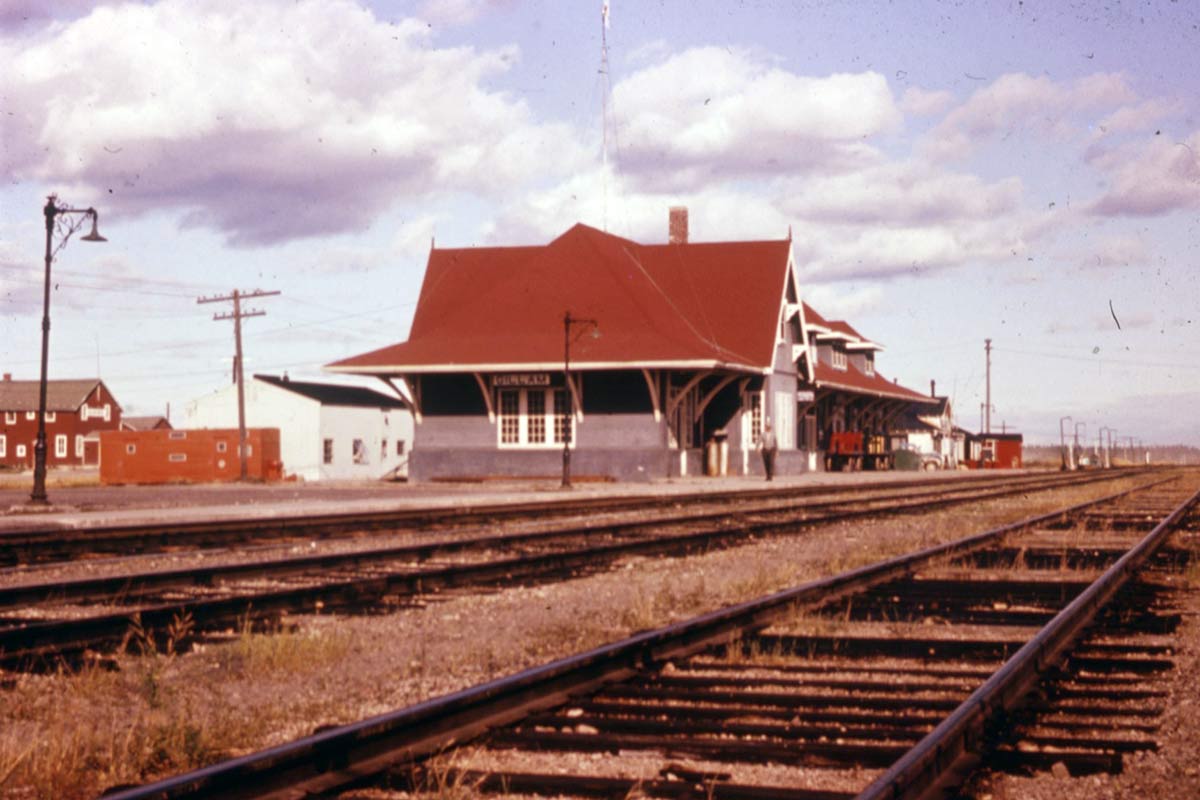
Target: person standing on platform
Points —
{"points": [[769, 446]]}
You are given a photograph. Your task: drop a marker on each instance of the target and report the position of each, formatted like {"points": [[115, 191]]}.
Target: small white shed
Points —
{"points": [[327, 431]]}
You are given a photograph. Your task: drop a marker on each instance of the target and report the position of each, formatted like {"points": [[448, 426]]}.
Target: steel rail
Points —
{"points": [[130, 584], [347, 755], [47, 543], [942, 758], [40, 642]]}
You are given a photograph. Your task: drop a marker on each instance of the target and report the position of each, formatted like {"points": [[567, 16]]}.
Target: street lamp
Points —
{"points": [[65, 228], [1062, 440], [569, 422]]}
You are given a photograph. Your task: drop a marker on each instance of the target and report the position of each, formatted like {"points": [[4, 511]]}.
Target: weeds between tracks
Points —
{"points": [[72, 734]]}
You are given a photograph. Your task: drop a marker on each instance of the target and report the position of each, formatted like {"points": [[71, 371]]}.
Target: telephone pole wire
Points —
{"points": [[237, 315]]}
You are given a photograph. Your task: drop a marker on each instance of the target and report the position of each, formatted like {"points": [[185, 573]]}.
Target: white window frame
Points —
{"points": [[51, 416], [30, 415], [60, 445], [784, 423], [753, 419], [107, 413], [177, 458], [3, 445], [542, 429], [838, 358], [79, 445], [10, 418], [21, 451], [869, 363]]}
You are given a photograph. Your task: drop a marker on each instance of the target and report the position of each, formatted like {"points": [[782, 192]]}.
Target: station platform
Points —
{"points": [[93, 506]]}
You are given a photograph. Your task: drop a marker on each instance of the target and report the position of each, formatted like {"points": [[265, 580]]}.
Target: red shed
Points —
{"points": [[187, 456], [994, 450]]}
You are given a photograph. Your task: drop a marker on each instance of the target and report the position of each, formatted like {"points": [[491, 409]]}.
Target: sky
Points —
{"points": [[1025, 172]]}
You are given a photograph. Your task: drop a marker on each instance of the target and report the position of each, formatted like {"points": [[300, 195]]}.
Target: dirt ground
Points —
{"points": [[74, 735]]}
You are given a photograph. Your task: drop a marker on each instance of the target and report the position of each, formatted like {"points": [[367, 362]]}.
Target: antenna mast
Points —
{"points": [[604, 90]]}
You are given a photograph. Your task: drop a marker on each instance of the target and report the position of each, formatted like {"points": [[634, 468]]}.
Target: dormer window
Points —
{"points": [[869, 363], [839, 358]]}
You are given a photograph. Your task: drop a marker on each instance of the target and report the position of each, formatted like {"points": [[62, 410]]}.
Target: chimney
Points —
{"points": [[7, 376], [932, 388], [677, 228]]}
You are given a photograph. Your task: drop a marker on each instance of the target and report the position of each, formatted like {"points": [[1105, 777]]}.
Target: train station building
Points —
{"points": [[646, 361]]}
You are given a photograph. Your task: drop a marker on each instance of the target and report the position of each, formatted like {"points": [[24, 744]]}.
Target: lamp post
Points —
{"points": [[569, 422], [1067, 463], [52, 213], [1108, 452]]}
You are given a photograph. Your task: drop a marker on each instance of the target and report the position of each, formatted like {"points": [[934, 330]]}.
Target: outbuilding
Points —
{"points": [[327, 431]]}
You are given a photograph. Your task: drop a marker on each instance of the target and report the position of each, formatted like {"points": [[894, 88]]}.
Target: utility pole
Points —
{"points": [[237, 315], [987, 409]]}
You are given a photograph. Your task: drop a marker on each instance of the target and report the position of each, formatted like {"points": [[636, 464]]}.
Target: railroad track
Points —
{"points": [[51, 542], [43, 624], [1029, 644]]}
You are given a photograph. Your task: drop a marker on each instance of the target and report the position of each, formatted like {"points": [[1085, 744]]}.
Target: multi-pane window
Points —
{"points": [[3, 445], [510, 416], [327, 451], [527, 416], [562, 417], [754, 406], [79, 445], [60, 446], [870, 363], [535, 407], [10, 418], [839, 358]]}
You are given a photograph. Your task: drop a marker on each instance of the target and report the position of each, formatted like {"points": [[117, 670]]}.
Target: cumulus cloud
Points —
{"points": [[909, 193], [712, 112], [257, 119], [1020, 102], [457, 12], [922, 103], [25, 14], [1150, 178], [607, 200]]}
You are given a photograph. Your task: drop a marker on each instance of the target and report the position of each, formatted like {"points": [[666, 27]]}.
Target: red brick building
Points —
{"points": [[76, 412], [191, 456]]}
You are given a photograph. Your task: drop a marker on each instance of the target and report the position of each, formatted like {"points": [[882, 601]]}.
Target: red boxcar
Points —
{"points": [[187, 456]]}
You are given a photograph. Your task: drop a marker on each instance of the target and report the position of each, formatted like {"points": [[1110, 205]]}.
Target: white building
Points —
{"points": [[326, 431]]}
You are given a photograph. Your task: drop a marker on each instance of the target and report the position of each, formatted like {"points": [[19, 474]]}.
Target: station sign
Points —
{"points": [[805, 396], [523, 379]]}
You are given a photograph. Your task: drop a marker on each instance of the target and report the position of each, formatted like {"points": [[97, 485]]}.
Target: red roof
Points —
{"points": [[852, 379], [654, 305]]}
